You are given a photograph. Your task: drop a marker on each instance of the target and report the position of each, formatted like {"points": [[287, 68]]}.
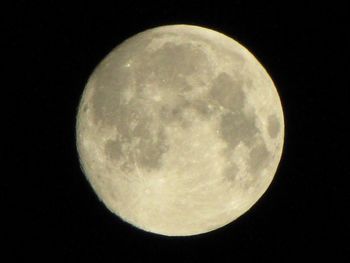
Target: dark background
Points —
{"points": [[51, 212]]}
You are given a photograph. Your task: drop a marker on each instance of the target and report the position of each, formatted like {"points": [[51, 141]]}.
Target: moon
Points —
{"points": [[179, 130]]}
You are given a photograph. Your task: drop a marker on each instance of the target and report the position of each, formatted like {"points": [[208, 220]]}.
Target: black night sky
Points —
{"points": [[50, 211]]}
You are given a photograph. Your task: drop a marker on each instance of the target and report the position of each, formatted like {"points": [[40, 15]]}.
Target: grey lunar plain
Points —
{"points": [[180, 130]]}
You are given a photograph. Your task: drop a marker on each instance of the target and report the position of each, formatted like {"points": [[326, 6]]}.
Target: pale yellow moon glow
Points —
{"points": [[179, 130]]}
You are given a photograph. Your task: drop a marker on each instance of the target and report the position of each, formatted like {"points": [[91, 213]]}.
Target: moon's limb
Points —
{"points": [[180, 130]]}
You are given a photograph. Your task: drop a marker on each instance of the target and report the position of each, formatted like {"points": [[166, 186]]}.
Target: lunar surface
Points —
{"points": [[179, 130]]}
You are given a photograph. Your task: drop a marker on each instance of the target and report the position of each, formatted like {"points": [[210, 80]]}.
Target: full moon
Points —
{"points": [[179, 130]]}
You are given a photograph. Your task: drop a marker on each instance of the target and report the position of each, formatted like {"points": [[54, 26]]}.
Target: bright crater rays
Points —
{"points": [[180, 130]]}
